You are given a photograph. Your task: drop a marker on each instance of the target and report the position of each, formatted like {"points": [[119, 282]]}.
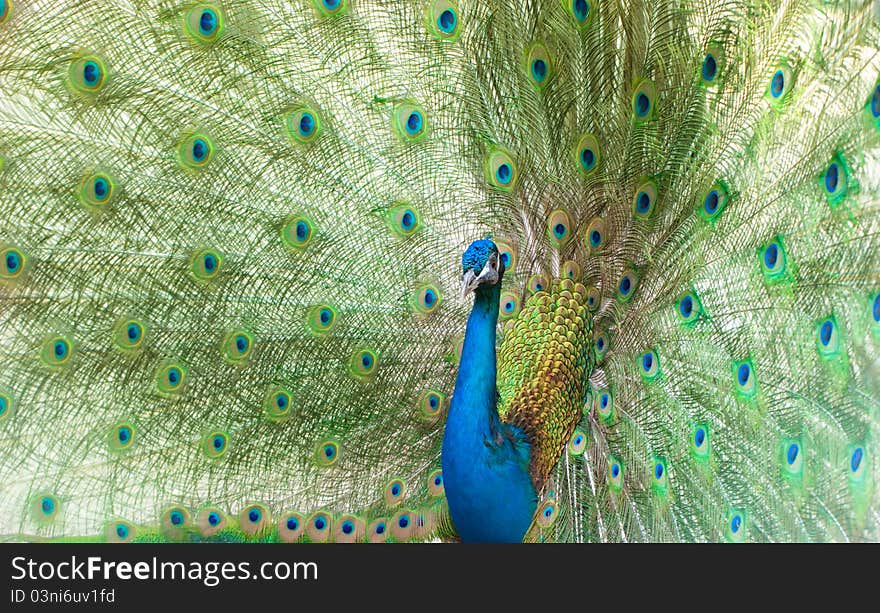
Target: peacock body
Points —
{"points": [[235, 234]]}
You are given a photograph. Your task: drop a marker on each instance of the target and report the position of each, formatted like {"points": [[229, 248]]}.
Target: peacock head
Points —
{"points": [[481, 266]]}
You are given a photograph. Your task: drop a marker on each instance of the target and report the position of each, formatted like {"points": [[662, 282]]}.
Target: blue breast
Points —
{"points": [[485, 463]]}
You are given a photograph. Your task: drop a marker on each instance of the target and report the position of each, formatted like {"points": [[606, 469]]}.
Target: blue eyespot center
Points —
{"points": [[699, 437], [735, 524], [595, 238], [588, 158], [433, 401], [430, 297], [207, 22], [625, 285], [825, 332], [508, 306], [505, 259], [325, 316], [47, 505], [219, 442], [658, 471], [539, 70], [210, 262], [380, 528], [395, 489], [241, 343], [414, 122], [320, 524], [347, 527], [124, 434], [199, 149], [875, 102], [173, 375], [101, 188], [600, 343], [254, 515], [60, 349], [408, 220], [446, 21], [792, 454], [831, 178], [438, 480], [581, 9], [876, 312], [332, 4], [504, 173], [121, 531], [281, 401], [367, 360], [213, 518], [13, 262], [643, 104], [548, 512], [743, 373], [771, 255], [711, 203], [292, 524], [856, 459], [559, 230], [329, 451], [91, 72], [176, 518], [643, 202], [302, 230], [777, 84], [647, 362], [133, 331], [686, 307], [306, 124], [403, 521], [603, 401], [710, 67], [615, 470]]}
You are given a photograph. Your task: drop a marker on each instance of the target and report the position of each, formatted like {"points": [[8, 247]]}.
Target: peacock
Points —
{"points": [[439, 270]]}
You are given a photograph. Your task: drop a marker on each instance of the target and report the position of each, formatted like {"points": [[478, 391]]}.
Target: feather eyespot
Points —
{"points": [[645, 200], [539, 65], [409, 121], [204, 23], [277, 403], [857, 463], [87, 75], [500, 170], [331, 8], [443, 20], [12, 263], [649, 363], [643, 101], [736, 526], [195, 151], [588, 154], [559, 227], [792, 458], [699, 441], [581, 11]]}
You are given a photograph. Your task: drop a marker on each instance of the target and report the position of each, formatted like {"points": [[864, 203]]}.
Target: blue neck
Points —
{"points": [[474, 400], [485, 463]]}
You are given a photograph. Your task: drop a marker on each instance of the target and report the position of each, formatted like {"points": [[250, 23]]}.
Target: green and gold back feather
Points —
{"points": [[230, 264]]}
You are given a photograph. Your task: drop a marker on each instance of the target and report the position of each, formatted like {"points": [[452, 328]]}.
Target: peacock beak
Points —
{"points": [[490, 275], [469, 282]]}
